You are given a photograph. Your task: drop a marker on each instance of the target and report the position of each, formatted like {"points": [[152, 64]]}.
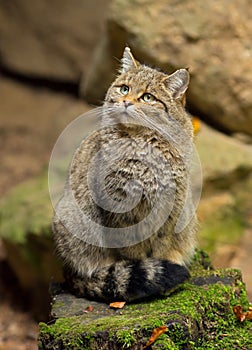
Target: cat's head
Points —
{"points": [[139, 86]]}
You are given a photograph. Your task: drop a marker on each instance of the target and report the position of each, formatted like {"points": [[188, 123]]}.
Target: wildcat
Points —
{"points": [[140, 157]]}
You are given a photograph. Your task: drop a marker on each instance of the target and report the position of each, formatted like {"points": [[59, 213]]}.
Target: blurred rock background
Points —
{"points": [[56, 61]]}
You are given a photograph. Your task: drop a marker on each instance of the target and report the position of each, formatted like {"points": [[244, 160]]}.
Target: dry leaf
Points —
{"points": [[248, 315], [196, 125], [117, 304], [238, 313], [155, 334], [88, 309], [242, 315]]}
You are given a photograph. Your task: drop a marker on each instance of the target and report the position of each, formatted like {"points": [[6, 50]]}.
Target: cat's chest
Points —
{"points": [[136, 163], [135, 154]]}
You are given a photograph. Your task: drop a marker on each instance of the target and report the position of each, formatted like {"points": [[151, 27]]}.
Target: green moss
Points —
{"points": [[58, 304], [164, 342], [125, 337], [225, 225], [25, 228], [187, 309], [26, 210], [201, 259]]}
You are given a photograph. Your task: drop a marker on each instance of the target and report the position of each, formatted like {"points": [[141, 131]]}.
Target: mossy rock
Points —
{"points": [[25, 228], [198, 315], [224, 213], [225, 203]]}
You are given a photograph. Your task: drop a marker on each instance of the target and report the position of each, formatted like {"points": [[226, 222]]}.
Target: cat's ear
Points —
{"points": [[128, 61], [177, 83]]}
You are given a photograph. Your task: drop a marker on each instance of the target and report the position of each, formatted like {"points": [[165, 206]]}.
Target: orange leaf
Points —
{"points": [[89, 308], [248, 315], [242, 315], [155, 334], [117, 304], [238, 313], [196, 125]]}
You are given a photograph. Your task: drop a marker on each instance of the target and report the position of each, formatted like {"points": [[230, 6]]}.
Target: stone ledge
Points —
{"points": [[197, 314]]}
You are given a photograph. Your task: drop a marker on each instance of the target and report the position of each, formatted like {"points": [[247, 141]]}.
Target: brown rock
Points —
{"points": [[49, 39], [221, 155], [212, 38], [31, 120], [225, 207]]}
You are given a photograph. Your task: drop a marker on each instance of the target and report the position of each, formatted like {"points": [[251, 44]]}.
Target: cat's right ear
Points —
{"points": [[128, 61]]}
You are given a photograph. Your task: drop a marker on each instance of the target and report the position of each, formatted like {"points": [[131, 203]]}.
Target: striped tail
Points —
{"points": [[128, 280]]}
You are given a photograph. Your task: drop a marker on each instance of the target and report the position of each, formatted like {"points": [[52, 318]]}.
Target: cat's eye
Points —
{"points": [[147, 97], [124, 89]]}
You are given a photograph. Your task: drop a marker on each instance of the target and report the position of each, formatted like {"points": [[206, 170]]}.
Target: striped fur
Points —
{"points": [[128, 280], [155, 264]]}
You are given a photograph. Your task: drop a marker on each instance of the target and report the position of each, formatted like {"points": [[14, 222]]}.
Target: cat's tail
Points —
{"points": [[129, 280]]}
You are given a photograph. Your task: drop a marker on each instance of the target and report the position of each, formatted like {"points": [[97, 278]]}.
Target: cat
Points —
{"points": [[125, 225]]}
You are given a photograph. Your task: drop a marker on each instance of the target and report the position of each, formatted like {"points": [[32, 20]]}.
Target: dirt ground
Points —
{"points": [[18, 329]]}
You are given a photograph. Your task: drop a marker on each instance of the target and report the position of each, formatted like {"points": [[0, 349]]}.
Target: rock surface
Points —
{"points": [[212, 38], [48, 39], [197, 315], [26, 233], [31, 121], [225, 205], [221, 155]]}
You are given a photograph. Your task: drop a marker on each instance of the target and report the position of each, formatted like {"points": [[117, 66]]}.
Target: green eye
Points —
{"points": [[148, 97], [124, 89]]}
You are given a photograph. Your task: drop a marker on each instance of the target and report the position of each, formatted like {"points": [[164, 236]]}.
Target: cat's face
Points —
{"points": [[140, 86]]}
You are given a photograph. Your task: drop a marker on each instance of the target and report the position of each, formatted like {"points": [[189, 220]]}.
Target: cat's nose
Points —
{"points": [[127, 103]]}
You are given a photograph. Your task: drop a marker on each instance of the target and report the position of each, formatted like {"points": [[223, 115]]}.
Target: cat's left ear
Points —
{"points": [[128, 61], [177, 83]]}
